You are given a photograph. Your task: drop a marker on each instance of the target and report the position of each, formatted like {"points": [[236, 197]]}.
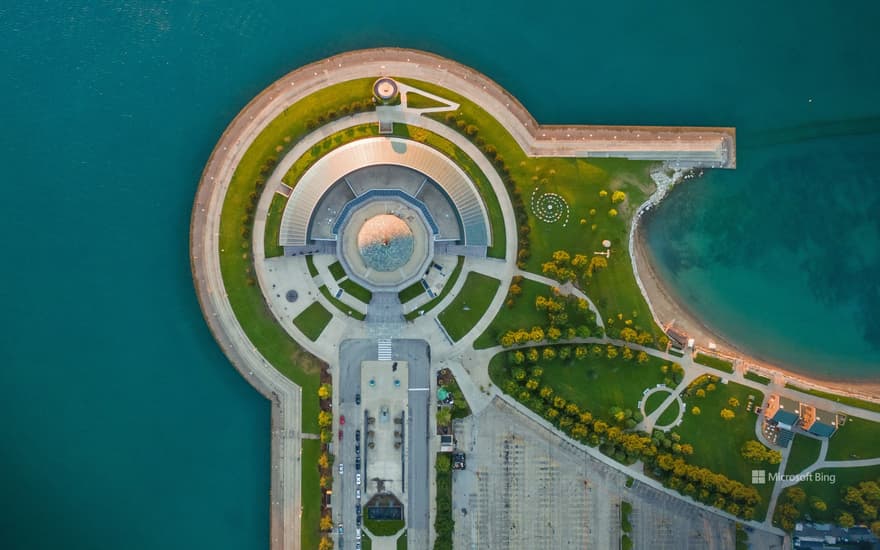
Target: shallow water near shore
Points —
{"points": [[782, 257], [123, 424]]}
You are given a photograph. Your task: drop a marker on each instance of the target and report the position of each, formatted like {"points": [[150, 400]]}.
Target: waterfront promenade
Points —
{"points": [[686, 147]]}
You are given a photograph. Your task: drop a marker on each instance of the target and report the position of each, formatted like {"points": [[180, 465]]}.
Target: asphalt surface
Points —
{"points": [[417, 481]]}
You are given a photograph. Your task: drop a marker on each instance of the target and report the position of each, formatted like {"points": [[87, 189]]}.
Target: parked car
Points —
{"points": [[357, 493], [357, 463], [341, 467], [357, 448], [357, 435], [357, 478], [357, 399], [340, 528], [340, 435], [358, 534], [342, 420]]}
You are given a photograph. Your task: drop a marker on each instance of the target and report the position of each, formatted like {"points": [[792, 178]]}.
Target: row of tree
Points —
{"points": [[859, 506], [343, 110], [616, 436], [472, 132], [706, 486]]}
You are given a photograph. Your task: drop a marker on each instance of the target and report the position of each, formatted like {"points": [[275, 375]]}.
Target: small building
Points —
{"points": [[677, 337], [447, 443], [818, 422], [783, 411]]}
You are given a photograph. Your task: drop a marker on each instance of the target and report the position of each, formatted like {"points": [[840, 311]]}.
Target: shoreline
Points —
{"points": [[666, 308]]}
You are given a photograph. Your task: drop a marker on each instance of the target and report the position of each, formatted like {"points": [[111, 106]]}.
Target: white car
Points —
{"points": [[358, 533], [341, 467], [357, 494], [357, 478]]}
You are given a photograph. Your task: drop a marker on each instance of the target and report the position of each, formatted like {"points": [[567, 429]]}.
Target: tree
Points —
{"points": [[612, 212], [518, 357], [581, 352], [324, 482], [618, 196], [325, 544], [612, 352], [323, 461], [553, 333], [642, 357], [324, 391], [548, 353], [733, 402], [875, 528], [845, 520], [696, 411], [627, 354], [444, 416], [701, 393], [532, 355], [561, 257], [326, 522], [325, 419], [727, 414], [596, 263], [818, 504], [628, 334], [515, 290]]}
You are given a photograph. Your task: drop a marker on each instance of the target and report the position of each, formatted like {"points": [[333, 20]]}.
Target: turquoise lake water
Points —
{"points": [[123, 426]]}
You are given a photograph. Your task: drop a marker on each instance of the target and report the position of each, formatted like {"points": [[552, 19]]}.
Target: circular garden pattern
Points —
{"points": [[550, 207]]}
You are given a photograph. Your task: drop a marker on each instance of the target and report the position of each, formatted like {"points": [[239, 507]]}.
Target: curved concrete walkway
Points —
{"points": [[650, 421]]}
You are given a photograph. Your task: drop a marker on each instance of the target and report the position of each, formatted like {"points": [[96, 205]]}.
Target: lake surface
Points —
{"points": [[123, 424]]}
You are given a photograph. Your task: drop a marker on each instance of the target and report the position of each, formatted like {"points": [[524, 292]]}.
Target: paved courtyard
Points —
{"points": [[527, 488]]}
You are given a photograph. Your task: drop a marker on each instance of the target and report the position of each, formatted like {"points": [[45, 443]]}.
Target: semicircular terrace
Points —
{"points": [[300, 210]]}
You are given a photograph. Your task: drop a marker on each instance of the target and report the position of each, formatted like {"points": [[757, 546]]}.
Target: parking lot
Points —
{"points": [[526, 488]]}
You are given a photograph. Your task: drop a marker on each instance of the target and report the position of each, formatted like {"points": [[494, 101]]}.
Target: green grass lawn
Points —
{"points": [[244, 296], [383, 528], [525, 315], [714, 362], [336, 270], [867, 405], [831, 492], [444, 524], [804, 451], [356, 290], [411, 292], [418, 101], [313, 320], [311, 493], [654, 401], [401, 541], [596, 383], [310, 263], [717, 442], [460, 409], [578, 182], [447, 288], [366, 543], [757, 378], [669, 415], [273, 224], [340, 305], [469, 305], [857, 438]]}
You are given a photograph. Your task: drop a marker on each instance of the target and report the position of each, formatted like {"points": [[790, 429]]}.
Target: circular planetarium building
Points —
{"points": [[385, 207]]}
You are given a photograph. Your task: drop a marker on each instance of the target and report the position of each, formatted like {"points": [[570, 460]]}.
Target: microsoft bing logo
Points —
{"points": [[759, 477]]}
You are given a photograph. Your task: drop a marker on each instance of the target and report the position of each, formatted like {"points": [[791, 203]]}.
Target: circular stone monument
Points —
{"points": [[385, 242]]}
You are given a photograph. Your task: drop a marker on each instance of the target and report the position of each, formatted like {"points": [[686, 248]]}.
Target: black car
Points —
{"points": [[357, 398], [357, 448], [357, 435], [357, 463]]}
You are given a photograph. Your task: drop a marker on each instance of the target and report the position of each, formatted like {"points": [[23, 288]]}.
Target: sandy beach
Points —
{"points": [[667, 309]]}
